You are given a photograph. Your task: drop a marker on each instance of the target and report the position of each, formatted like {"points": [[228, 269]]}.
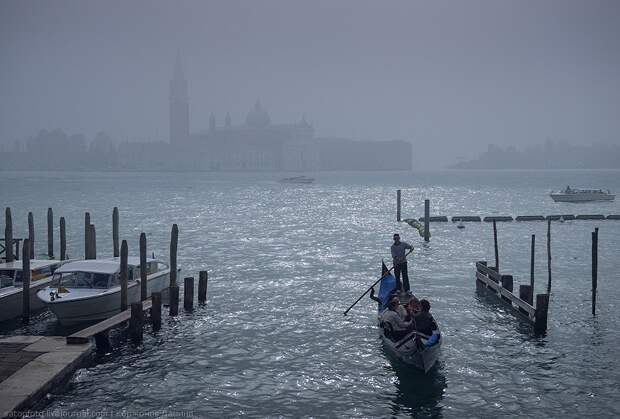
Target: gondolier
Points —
{"points": [[400, 262]]}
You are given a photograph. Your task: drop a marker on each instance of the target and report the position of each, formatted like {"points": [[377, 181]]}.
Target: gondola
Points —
{"points": [[415, 349]]}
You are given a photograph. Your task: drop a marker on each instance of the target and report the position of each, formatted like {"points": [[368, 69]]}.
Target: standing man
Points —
{"points": [[400, 262]]}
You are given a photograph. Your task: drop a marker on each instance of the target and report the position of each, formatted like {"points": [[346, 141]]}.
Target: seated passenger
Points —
{"points": [[424, 321], [413, 308], [393, 317]]}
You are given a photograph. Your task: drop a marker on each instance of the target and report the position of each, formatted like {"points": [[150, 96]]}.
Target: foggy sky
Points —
{"points": [[450, 76]]}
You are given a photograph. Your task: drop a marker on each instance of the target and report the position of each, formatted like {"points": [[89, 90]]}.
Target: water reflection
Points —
{"points": [[417, 394]]}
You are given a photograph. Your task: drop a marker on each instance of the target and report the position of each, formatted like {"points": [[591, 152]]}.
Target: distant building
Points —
{"points": [[256, 144], [259, 144]]}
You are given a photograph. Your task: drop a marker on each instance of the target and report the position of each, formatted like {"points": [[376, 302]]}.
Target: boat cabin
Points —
{"points": [[100, 273], [12, 274]]}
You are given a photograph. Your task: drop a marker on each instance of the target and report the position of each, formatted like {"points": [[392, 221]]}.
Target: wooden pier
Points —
{"points": [[487, 278], [32, 366]]}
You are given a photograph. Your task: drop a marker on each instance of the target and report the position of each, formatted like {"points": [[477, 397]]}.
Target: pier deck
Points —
{"points": [[31, 366]]}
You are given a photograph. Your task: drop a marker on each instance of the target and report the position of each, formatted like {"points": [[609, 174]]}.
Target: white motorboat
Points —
{"points": [[90, 290], [11, 285], [297, 179], [582, 195]]}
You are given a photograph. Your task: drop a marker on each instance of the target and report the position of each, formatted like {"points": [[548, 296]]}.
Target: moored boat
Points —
{"points": [[11, 285], [569, 194], [90, 290]]}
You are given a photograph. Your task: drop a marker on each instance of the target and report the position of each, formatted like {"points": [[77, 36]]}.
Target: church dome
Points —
{"points": [[258, 117]]}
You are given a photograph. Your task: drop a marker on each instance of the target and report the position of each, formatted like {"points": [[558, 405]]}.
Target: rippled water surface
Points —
{"points": [[285, 261]]}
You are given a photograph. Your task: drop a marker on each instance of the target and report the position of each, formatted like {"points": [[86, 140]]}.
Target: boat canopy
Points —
{"points": [[104, 266]]}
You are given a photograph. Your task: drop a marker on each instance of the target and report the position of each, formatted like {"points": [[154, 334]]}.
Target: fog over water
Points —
{"points": [[450, 77]]}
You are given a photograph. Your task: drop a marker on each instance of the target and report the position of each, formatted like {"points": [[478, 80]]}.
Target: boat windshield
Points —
{"points": [[35, 274], [81, 280], [6, 277]]}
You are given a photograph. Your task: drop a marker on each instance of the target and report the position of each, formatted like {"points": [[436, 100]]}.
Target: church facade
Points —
{"points": [[257, 144]]}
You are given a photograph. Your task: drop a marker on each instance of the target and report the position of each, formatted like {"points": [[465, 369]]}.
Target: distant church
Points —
{"points": [[258, 144]]}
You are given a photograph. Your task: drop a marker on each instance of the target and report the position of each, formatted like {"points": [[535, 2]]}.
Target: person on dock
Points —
{"points": [[394, 316], [424, 321], [400, 262]]}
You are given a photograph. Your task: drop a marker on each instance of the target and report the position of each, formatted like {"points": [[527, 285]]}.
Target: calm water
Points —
{"points": [[285, 261]]}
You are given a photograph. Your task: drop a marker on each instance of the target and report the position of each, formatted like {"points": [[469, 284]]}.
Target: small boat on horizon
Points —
{"points": [[297, 179], [569, 194], [90, 290]]}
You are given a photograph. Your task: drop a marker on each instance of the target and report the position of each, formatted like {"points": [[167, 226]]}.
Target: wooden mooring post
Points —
{"points": [[26, 276], [124, 275], [143, 268], [427, 215], [525, 293], [115, 232], [202, 287], [495, 245], [548, 257], [542, 309], [156, 310], [136, 322], [86, 241], [63, 239], [398, 205], [91, 236], [594, 268], [8, 235], [174, 288], [31, 234], [188, 293], [532, 262], [50, 233]]}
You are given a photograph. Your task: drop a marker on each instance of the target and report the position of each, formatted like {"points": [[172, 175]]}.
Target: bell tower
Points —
{"points": [[179, 105]]}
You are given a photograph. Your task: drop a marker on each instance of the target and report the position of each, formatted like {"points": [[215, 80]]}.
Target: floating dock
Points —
{"points": [[32, 366]]}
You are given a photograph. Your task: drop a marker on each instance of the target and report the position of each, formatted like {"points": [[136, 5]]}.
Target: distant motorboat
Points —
{"points": [[582, 195], [297, 179], [460, 225]]}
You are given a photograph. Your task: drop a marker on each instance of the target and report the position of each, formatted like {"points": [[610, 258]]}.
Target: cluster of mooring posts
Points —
{"points": [[31, 366], [427, 218], [489, 278], [502, 286], [134, 312]]}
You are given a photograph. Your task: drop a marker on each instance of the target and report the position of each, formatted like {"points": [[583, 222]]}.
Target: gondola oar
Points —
{"points": [[371, 287]]}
